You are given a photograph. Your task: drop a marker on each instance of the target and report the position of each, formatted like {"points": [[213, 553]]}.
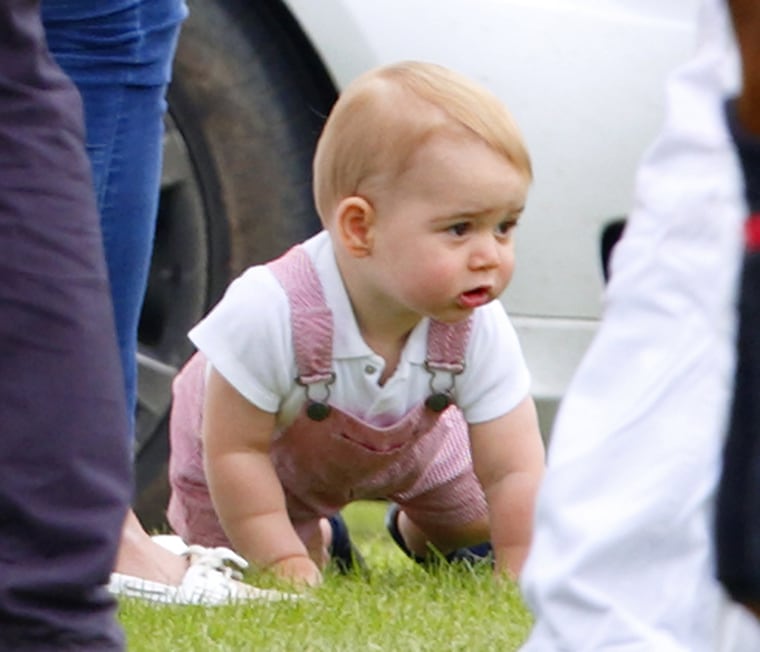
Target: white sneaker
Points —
{"points": [[208, 581], [171, 542]]}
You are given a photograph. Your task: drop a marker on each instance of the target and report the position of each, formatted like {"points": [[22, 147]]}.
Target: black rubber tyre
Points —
{"points": [[246, 105]]}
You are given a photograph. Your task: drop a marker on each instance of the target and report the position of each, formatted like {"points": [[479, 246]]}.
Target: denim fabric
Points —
{"points": [[119, 54], [114, 41]]}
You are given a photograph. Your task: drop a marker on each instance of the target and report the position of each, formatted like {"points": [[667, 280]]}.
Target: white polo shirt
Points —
{"points": [[247, 338]]}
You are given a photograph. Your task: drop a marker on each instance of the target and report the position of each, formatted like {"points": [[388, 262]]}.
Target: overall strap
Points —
{"points": [[311, 320], [446, 346]]}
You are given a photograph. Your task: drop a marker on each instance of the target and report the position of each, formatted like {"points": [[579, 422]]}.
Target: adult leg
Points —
{"points": [[119, 54], [64, 487], [125, 130], [128, 50], [622, 555], [738, 509], [124, 141]]}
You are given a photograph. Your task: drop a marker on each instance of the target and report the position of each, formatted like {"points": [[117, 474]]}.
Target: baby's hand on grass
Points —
{"points": [[300, 571]]}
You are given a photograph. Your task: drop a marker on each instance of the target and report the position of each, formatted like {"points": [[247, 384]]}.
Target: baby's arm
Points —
{"points": [[508, 456], [244, 486]]}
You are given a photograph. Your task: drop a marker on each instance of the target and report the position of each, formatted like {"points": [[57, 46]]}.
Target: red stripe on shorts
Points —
{"points": [[752, 232]]}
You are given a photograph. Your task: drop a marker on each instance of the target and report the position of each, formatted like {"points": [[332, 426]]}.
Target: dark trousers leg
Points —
{"points": [[738, 503], [64, 459]]}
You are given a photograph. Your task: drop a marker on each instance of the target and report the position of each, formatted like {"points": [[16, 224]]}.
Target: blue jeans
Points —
{"points": [[119, 54]]}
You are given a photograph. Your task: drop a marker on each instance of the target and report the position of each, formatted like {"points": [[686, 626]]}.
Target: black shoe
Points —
{"points": [[472, 555], [343, 553]]}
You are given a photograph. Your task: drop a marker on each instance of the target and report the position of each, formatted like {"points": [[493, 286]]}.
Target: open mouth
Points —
{"points": [[474, 298]]}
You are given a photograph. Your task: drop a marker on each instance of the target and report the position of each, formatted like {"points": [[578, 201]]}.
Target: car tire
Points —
{"points": [[245, 108]]}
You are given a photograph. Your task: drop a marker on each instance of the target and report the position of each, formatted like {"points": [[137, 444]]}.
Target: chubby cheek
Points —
{"points": [[506, 271], [428, 277]]}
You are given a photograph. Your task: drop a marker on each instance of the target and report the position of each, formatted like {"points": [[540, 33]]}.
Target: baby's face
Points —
{"points": [[443, 235]]}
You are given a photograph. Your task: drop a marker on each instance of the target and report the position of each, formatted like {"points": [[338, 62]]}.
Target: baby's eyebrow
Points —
{"points": [[454, 217], [478, 212]]}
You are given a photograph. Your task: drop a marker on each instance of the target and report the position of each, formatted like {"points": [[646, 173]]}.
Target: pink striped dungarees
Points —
{"points": [[422, 462]]}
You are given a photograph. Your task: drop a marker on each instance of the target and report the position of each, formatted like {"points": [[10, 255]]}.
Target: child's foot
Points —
{"points": [[343, 553]]}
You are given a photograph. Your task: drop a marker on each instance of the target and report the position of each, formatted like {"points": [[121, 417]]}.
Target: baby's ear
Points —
{"points": [[354, 219]]}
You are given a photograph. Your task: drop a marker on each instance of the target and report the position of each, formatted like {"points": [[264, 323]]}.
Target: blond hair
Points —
{"points": [[382, 117]]}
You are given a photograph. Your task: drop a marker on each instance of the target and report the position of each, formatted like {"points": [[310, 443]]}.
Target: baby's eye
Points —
{"points": [[460, 228], [504, 227]]}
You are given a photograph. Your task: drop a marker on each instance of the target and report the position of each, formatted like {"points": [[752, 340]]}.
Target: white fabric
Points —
{"points": [[623, 555], [247, 338]]}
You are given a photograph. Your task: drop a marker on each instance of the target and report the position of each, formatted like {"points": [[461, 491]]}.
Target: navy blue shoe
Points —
{"points": [[343, 553], [391, 524], [478, 554], [472, 555]]}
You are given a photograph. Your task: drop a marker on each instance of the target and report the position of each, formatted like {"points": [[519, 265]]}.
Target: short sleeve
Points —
{"points": [[247, 338], [496, 377]]}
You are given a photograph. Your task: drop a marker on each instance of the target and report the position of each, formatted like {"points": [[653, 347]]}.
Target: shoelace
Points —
{"points": [[217, 559]]}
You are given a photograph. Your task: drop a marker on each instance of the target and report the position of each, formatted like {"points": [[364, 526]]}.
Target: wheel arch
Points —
{"points": [[274, 35]]}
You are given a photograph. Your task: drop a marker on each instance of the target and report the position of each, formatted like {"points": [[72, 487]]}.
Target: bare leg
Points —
{"points": [[443, 538]]}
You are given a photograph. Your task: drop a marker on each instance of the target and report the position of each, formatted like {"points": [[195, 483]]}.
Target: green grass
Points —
{"points": [[399, 607]]}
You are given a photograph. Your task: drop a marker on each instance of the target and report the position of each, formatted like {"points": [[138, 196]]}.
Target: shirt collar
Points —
{"points": [[347, 340]]}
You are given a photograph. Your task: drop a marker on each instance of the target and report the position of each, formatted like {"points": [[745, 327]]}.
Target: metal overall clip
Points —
{"points": [[440, 399], [317, 409]]}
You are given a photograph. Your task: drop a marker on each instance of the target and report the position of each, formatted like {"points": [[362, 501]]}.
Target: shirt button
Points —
{"points": [[369, 369]]}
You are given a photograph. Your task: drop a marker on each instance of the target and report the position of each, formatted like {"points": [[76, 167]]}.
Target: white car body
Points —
{"points": [[584, 79]]}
